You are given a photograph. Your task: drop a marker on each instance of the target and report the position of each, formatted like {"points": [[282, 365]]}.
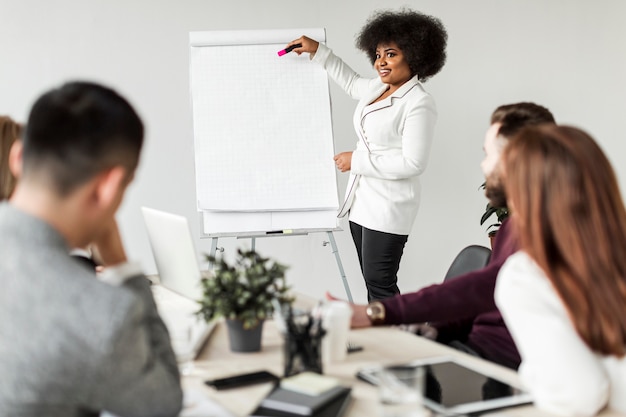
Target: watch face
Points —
{"points": [[376, 312]]}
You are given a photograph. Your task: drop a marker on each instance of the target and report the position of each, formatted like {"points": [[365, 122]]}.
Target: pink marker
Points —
{"points": [[287, 50]]}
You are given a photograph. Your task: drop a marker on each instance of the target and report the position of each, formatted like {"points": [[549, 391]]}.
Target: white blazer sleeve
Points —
{"points": [[564, 376], [345, 77]]}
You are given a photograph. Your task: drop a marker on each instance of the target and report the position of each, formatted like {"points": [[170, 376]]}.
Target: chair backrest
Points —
{"points": [[469, 259]]}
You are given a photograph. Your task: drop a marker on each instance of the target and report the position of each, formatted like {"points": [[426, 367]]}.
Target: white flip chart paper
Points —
{"points": [[262, 124]]}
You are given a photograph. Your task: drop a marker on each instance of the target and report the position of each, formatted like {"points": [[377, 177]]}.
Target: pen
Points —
{"points": [[279, 232], [289, 49]]}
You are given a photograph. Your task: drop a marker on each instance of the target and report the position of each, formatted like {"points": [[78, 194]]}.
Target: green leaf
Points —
{"points": [[244, 289], [501, 214]]}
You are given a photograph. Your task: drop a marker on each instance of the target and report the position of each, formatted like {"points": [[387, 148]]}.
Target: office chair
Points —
{"points": [[471, 258]]}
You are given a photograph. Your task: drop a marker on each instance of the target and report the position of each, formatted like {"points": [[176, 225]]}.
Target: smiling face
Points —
{"points": [[391, 66]]}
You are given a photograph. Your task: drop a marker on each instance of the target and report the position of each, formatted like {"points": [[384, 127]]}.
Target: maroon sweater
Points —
{"points": [[463, 308]]}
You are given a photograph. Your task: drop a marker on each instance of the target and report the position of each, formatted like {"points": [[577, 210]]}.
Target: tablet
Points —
{"points": [[453, 388]]}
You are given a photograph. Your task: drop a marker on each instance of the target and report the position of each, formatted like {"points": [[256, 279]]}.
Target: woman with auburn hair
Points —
{"points": [[10, 131], [563, 296]]}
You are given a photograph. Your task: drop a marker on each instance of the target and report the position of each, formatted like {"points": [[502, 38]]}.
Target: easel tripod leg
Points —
{"points": [[213, 251], [333, 245]]}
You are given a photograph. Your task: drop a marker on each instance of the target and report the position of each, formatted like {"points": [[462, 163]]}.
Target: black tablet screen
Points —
{"points": [[451, 384]]}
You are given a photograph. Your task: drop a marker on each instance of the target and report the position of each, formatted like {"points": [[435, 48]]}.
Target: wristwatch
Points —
{"points": [[376, 312]]}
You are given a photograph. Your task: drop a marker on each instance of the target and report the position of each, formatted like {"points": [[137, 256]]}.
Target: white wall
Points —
{"points": [[565, 54]]}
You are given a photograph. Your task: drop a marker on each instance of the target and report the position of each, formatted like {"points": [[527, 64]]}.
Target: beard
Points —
{"points": [[494, 190]]}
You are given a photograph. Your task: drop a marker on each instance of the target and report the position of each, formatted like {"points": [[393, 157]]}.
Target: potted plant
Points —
{"points": [[501, 214], [242, 293]]}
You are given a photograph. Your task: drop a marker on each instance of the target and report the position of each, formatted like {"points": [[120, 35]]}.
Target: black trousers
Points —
{"points": [[379, 257]]}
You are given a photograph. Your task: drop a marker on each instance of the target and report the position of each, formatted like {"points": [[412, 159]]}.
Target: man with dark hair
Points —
{"points": [[72, 344], [462, 311]]}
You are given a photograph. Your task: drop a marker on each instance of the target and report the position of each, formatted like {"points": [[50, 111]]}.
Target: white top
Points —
{"points": [[395, 136], [561, 372]]}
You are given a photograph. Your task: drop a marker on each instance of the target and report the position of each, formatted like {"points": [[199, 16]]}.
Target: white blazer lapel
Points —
{"points": [[363, 109], [366, 107], [347, 202], [398, 94], [361, 112]]}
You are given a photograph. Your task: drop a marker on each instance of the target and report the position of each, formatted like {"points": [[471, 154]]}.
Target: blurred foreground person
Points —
{"points": [[73, 345]]}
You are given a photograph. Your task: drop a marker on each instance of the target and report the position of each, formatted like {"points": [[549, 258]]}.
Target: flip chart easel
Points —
{"points": [[262, 137]]}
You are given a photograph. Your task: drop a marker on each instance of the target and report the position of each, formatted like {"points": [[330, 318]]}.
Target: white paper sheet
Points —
{"points": [[262, 124]]}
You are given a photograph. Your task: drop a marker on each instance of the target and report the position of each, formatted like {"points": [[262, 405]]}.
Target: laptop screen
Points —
{"points": [[174, 252]]}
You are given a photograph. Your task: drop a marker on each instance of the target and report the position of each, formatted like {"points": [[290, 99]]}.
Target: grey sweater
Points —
{"points": [[71, 345]]}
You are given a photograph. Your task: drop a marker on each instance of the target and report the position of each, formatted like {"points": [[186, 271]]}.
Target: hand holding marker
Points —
{"points": [[289, 49], [301, 45]]}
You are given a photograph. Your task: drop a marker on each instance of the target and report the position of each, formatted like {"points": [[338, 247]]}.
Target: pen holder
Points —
{"points": [[303, 344]]}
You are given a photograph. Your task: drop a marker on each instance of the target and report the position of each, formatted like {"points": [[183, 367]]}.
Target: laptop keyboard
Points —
{"points": [[187, 330]]}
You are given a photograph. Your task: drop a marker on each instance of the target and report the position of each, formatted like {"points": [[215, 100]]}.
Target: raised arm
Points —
{"points": [[344, 76]]}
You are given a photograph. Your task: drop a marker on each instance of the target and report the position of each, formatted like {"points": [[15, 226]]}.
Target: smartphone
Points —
{"points": [[242, 380]]}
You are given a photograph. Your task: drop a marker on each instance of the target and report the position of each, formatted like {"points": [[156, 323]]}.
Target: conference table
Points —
{"points": [[381, 345]]}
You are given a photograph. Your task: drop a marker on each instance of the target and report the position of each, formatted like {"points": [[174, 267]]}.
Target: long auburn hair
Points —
{"points": [[10, 131], [570, 219]]}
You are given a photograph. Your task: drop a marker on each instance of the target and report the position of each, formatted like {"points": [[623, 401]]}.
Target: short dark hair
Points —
{"points": [[78, 130], [514, 117], [421, 38]]}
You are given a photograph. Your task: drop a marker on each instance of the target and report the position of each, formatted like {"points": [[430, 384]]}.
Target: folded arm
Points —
{"points": [[139, 376]]}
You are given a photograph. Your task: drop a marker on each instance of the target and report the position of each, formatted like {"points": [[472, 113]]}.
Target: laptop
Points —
{"points": [[179, 275]]}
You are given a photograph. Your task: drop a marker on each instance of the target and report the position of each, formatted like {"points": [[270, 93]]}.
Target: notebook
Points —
{"points": [[284, 403], [179, 274]]}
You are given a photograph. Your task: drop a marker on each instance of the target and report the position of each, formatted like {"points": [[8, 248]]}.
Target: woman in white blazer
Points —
{"points": [[394, 121], [563, 296]]}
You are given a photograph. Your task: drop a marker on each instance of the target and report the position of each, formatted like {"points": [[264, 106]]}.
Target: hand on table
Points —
{"points": [[359, 315]]}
